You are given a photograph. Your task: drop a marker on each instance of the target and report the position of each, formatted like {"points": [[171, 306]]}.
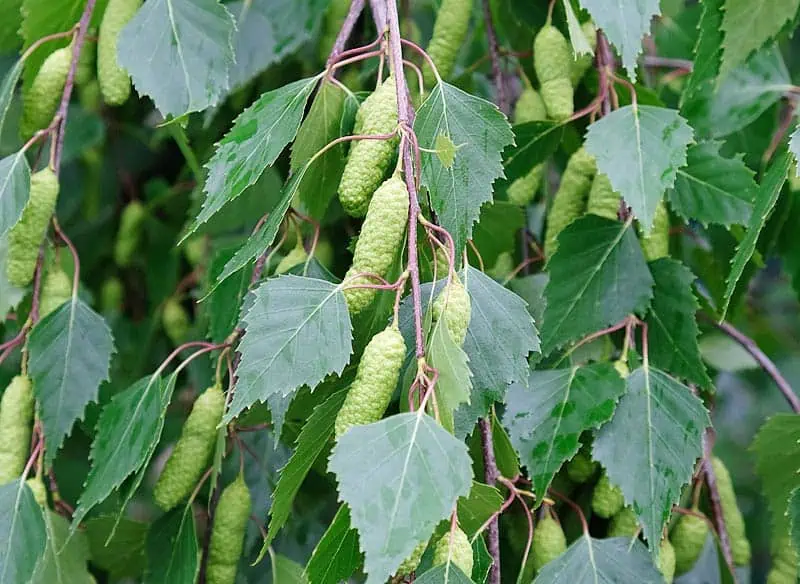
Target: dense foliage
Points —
{"points": [[441, 291]]}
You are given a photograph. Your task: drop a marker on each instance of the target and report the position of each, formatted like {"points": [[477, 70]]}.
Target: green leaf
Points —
{"points": [[794, 146], [415, 470], [777, 464], [15, 183], [545, 420], [671, 325], [640, 148], [444, 574], [534, 142], [178, 52], [287, 571], [624, 22], [496, 230], [749, 24], [331, 116], [793, 511], [23, 536], [743, 95], [65, 559], [172, 550], [454, 383], [70, 355], [766, 197], [580, 45], [497, 314], [9, 26], [225, 301], [480, 132], [712, 188], [598, 276], [297, 331], [616, 560], [117, 545], [312, 440], [267, 31], [473, 511], [336, 556], [10, 295], [707, 52], [650, 447], [128, 431], [256, 139], [7, 90]]}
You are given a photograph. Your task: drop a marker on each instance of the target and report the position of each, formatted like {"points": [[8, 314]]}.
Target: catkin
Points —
{"points": [[115, 84]]}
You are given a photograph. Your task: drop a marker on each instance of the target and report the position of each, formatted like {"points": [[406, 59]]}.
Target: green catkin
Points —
{"points": [[130, 231], [411, 563], [87, 61], [581, 64], [41, 100], [375, 382], [570, 198], [56, 290], [529, 108], [297, 255], [16, 419], [227, 535], [552, 59], [369, 160], [331, 23], [784, 564], [503, 266], [666, 560], [607, 499], [36, 485], [655, 245], [688, 538], [175, 320], [454, 547], [581, 468], [27, 235], [549, 541], [190, 456], [603, 199], [115, 83], [381, 235], [112, 295], [194, 250], [740, 547], [454, 303], [323, 253], [449, 32], [624, 523]]}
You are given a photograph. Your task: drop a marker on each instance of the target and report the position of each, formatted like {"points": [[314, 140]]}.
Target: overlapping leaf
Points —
{"points": [[640, 148], [15, 183], [415, 470], [533, 143], [172, 550], [707, 51], [598, 276], [454, 384], [70, 355], [650, 447], [444, 574], [480, 133], [7, 91], [178, 52], [23, 534], [545, 419], [766, 197], [778, 464], [712, 188], [336, 556], [65, 559], [297, 331]]}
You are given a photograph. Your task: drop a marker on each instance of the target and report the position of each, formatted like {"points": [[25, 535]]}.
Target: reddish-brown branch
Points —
{"points": [[356, 8], [575, 507], [491, 474], [716, 504], [501, 93]]}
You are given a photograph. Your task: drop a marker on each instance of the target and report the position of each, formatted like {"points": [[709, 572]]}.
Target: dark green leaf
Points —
{"points": [[546, 419], [473, 511], [23, 534], [7, 89], [534, 142], [777, 464], [707, 51], [70, 355], [496, 229], [650, 447], [225, 301], [172, 551], [188, 49], [297, 331], [480, 133], [793, 511], [15, 184], [766, 197], [123, 555], [416, 472], [336, 556], [444, 574], [598, 276], [671, 325]]}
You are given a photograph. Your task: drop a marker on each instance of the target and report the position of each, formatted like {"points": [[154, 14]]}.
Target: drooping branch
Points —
{"points": [[716, 505], [356, 8]]}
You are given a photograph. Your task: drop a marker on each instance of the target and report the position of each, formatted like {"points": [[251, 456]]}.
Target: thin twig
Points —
{"points": [[491, 473], [716, 504], [80, 37], [494, 55], [356, 8], [667, 63], [763, 361]]}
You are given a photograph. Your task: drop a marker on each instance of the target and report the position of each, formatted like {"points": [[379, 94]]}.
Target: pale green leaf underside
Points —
{"points": [[15, 183], [23, 534]]}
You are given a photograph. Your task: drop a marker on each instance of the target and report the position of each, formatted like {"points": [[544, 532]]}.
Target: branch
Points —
{"points": [[356, 7], [61, 116], [494, 55], [405, 118], [764, 362], [378, 8], [490, 474], [716, 505], [665, 62]]}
